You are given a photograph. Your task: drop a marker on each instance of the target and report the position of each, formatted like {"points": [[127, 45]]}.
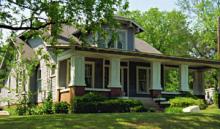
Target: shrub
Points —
{"points": [[215, 98], [37, 110], [47, 107], [61, 107], [12, 110], [93, 103], [138, 109], [174, 110], [187, 101]]}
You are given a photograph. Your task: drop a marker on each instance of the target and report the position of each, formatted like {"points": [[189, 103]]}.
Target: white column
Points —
{"points": [[57, 75], [198, 83], [155, 76], [184, 81], [77, 75], [115, 73]]}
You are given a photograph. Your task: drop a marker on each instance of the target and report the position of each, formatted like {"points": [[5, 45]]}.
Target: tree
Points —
{"points": [[166, 31], [203, 16], [37, 14]]}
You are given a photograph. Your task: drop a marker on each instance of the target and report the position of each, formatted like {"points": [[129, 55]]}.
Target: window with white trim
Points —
{"points": [[143, 79], [106, 76], [117, 40], [39, 79], [89, 74]]}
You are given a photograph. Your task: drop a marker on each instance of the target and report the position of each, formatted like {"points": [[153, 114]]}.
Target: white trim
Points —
{"points": [[147, 79], [97, 89], [65, 55], [122, 77], [68, 72], [174, 93], [65, 90], [93, 72]]}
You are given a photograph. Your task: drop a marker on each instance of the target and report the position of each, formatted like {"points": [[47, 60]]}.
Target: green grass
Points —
{"points": [[208, 119]]}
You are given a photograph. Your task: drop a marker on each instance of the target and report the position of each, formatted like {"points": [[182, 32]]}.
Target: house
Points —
{"points": [[126, 67]]}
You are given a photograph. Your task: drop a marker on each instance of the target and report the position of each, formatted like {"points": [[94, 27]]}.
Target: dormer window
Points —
{"points": [[117, 40]]}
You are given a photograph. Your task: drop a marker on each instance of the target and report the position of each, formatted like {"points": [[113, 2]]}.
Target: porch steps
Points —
{"points": [[148, 103], [162, 102]]}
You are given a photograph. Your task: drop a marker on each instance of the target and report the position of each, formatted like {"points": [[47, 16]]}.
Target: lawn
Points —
{"points": [[208, 119]]}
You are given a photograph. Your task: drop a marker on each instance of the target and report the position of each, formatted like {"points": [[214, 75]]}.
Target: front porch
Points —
{"points": [[119, 75]]}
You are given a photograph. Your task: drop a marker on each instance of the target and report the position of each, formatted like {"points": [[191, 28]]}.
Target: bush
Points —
{"points": [[94, 103], [187, 101], [61, 107], [47, 107], [174, 110], [37, 110], [215, 98], [138, 109]]}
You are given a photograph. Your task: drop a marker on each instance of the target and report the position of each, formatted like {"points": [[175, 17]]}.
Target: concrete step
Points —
{"points": [[147, 102], [165, 103], [159, 99]]}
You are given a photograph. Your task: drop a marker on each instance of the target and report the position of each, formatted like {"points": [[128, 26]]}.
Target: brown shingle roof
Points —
{"points": [[142, 46]]}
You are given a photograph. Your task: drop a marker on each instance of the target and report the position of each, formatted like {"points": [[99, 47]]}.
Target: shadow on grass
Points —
{"points": [[114, 121]]}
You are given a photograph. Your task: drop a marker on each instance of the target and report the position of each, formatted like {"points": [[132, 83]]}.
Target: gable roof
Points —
{"points": [[142, 46]]}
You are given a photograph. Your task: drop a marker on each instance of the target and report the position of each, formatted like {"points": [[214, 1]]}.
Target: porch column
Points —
{"points": [[58, 81], [198, 84], [77, 76], [156, 79], [114, 82], [184, 78]]}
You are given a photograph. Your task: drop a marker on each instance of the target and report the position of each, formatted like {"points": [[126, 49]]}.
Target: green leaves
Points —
{"points": [[166, 31]]}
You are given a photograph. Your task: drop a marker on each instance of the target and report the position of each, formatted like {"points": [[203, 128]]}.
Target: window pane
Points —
{"points": [[142, 80], [106, 77], [121, 39], [88, 75]]}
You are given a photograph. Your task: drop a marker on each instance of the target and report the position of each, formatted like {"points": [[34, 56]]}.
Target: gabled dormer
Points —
{"points": [[121, 38]]}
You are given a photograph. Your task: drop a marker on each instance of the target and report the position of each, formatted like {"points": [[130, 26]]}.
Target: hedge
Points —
{"points": [[187, 101], [93, 103]]}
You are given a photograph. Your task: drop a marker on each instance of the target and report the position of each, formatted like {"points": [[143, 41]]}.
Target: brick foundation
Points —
{"points": [[115, 92], [155, 93]]}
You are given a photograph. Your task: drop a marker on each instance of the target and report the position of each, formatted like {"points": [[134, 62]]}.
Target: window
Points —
{"points": [[116, 39], [106, 76], [143, 79], [39, 78], [53, 69], [89, 74]]}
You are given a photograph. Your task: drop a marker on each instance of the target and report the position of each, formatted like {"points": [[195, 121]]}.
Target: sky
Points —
{"points": [[143, 5]]}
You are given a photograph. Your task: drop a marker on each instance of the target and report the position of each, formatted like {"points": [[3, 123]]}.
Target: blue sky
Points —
{"points": [[143, 5]]}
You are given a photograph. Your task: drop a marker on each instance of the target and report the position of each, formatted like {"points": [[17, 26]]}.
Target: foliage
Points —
{"points": [[203, 14], [174, 110], [24, 104], [61, 107], [166, 31], [138, 109], [48, 104], [187, 101], [215, 98], [171, 80], [93, 103], [36, 15]]}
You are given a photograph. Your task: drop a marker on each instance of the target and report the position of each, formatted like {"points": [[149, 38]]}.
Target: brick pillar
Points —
{"points": [[114, 82], [156, 79], [77, 77]]}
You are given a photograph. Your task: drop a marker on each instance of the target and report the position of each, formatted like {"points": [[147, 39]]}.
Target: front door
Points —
{"points": [[124, 80]]}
